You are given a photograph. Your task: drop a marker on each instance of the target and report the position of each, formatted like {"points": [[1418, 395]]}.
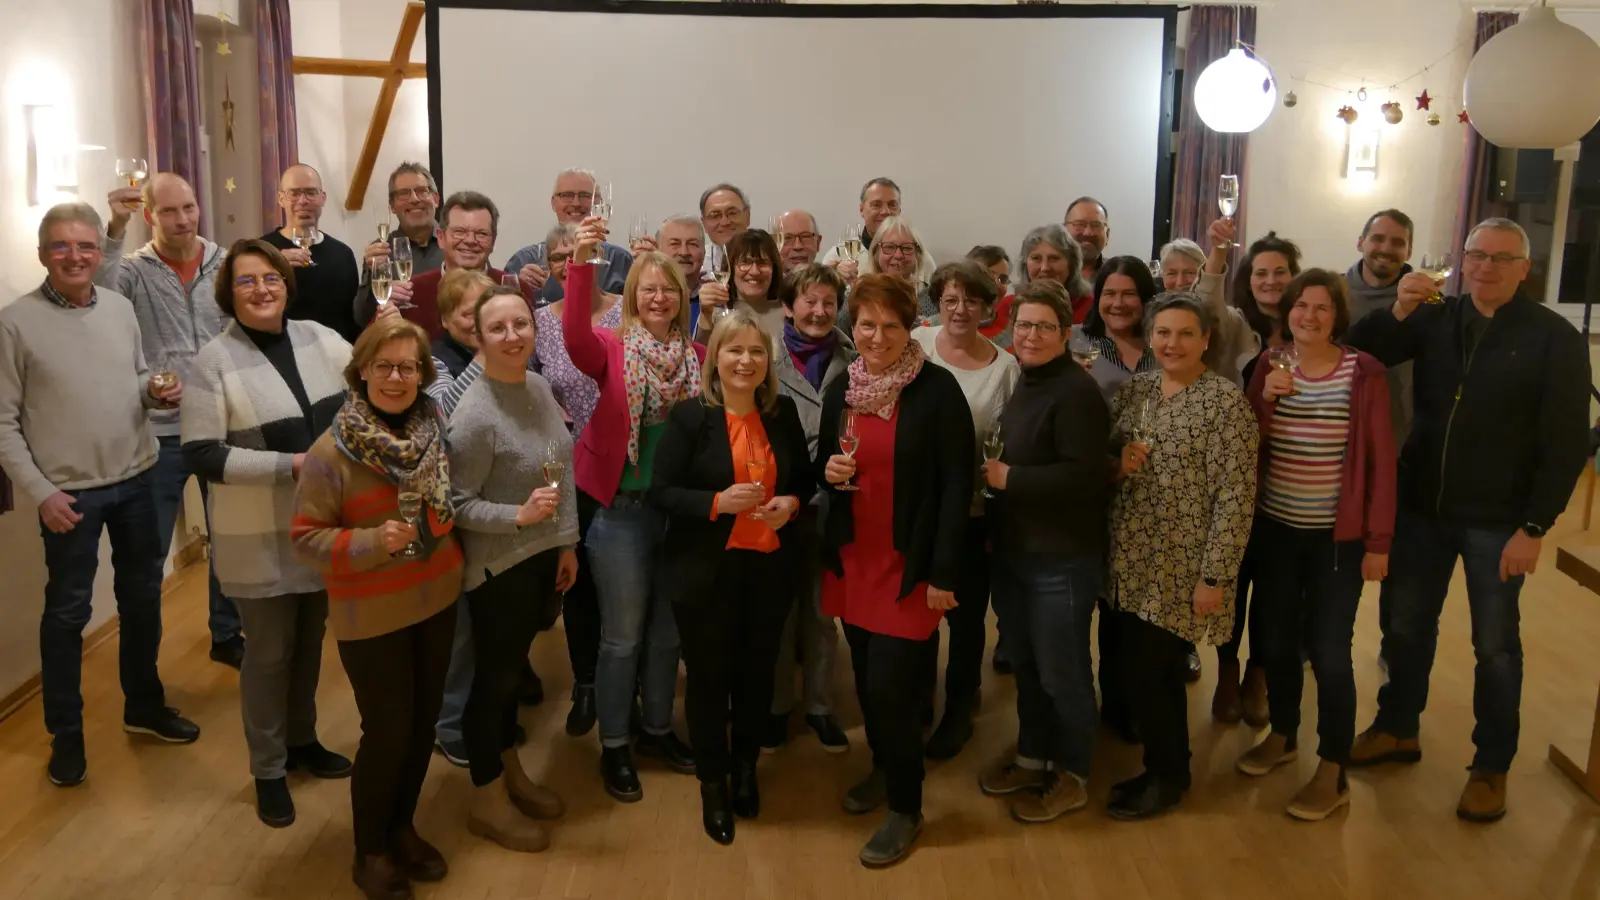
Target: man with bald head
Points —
{"points": [[171, 282], [798, 237], [326, 277], [571, 198]]}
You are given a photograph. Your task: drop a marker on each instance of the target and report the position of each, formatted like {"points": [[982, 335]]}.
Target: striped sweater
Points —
{"points": [[1305, 447]]}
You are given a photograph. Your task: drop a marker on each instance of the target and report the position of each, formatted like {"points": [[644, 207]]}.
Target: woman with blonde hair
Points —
{"points": [[898, 249]]}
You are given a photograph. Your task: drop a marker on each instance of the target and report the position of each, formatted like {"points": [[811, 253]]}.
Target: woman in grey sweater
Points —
{"points": [[517, 515]]}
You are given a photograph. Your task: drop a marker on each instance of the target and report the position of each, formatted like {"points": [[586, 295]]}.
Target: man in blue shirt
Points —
{"points": [[571, 200]]}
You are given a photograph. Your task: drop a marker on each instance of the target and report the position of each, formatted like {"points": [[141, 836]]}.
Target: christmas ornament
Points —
{"points": [[1433, 118], [1290, 99], [1348, 114], [1361, 95], [227, 114], [1464, 118], [1391, 113], [229, 186], [1423, 100], [1235, 94], [223, 49]]}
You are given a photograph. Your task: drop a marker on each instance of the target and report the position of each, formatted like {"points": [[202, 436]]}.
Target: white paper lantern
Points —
{"points": [[1536, 84], [1235, 94]]}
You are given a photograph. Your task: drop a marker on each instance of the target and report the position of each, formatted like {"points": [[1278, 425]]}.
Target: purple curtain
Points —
{"points": [[280, 138], [1204, 156], [172, 91], [1473, 204]]}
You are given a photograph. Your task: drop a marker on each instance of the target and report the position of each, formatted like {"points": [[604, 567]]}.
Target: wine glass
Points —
{"points": [[1439, 267], [1228, 198], [380, 276], [1085, 349], [639, 230], [1284, 359], [604, 205], [1141, 429], [1155, 269], [757, 470], [383, 226], [163, 373], [134, 172], [850, 247], [849, 440], [993, 445], [304, 237], [400, 252], [410, 502], [554, 468]]}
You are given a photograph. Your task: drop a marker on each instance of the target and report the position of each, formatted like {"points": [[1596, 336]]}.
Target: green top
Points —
{"points": [[637, 478]]}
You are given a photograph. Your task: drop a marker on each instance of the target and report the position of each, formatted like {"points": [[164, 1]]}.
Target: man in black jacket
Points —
{"points": [[1499, 437]]}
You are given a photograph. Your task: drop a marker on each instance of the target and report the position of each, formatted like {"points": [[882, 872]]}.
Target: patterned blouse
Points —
{"points": [[1187, 514], [577, 393]]}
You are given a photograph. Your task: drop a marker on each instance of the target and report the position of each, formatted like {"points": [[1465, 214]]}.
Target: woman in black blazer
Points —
{"points": [[730, 472]]}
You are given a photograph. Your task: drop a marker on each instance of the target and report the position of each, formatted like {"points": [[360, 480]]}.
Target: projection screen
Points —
{"points": [[990, 118]]}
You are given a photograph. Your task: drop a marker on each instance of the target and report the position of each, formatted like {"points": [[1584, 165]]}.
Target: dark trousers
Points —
{"points": [[580, 609], [968, 624], [398, 682], [730, 652], [889, 671], [1243, 615], [126, 513], [506, 612], [1156, 661], [1307, 591], [1048, 603], [1114, 707], [170, 475], [1424, 558]]}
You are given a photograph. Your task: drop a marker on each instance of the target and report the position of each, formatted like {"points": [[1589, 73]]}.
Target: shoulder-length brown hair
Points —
{"points": [[252, 247], [757, 242], [737, 320], [380, 332], [1328, 281]]}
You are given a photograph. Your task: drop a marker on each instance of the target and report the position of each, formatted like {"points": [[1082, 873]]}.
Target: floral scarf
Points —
{"points": [[811, 356], [657, 375], [879, 394], [416, 458]]}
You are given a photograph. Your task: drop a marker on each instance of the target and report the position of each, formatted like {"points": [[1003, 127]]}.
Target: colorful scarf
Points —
{"points": [[810, 354], [657, 375], [879, 394], [414, 461]]}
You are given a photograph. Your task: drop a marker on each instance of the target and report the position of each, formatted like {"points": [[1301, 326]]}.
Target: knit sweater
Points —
{"points": [[499, 434], [73, 396], [242, 426]]}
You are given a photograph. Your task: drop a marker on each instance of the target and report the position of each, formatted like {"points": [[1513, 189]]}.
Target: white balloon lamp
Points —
{"points": [[1235, 94], [1536, 84]]}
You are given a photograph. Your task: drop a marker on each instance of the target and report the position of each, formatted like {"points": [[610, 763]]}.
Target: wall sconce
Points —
{"points": [[52, 155], [1361, 152]]}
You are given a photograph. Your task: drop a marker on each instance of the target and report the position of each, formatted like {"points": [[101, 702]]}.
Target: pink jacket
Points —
{"points": [[602, 448], [1367, 478]]}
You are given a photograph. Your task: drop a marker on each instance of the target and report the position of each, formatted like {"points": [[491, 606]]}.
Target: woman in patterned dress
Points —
{"points": [[1179, 525]]}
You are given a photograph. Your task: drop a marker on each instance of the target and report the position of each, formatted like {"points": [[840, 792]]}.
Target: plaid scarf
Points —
{"points": [[878, 394], [657, 375], [413, 461]]}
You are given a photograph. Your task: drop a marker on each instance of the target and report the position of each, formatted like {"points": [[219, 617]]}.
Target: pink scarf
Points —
{"points": [[878, 394], [657, 375]]}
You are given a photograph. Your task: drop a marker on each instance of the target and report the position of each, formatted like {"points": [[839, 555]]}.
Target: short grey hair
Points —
{"points": [[1184, 300], [587, 173], [681, 219], [1057, 237], [65, 213], [724, 186], [563, 231], [1499, 224], [1183, 247], [412, 168]]}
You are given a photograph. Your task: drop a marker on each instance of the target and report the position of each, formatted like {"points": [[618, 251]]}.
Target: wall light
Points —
{"points": [[52, 155], [1236, 93], [1361, 151]]}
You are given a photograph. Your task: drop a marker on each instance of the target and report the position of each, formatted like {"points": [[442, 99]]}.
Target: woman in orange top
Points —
{"points": [[732, 469]]}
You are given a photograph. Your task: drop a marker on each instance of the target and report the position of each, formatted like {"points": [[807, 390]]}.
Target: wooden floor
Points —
{"points": [[178, 822]]}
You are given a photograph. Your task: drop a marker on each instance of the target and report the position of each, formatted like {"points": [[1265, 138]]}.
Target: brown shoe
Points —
{"points": [[418, 859], [493, 818], [1225, 704], [534, 800], [379, 878], [1253, 697], [1006, 777], [1374, 747], [1061, 793], [1323, 794], [1272, 752], [1484, 799]]}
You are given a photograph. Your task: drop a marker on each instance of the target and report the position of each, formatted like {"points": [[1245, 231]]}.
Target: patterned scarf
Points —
{"points": [[810, 354], [657, 375], [415, 459], [878, 394]]}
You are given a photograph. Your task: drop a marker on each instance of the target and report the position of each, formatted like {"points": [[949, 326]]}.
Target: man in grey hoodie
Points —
{"points": [[1373, 284], [172, 284]]}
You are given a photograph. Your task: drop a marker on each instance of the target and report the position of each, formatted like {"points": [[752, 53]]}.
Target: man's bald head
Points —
{"points": [[156, 184], [172, 212], [300, 175], [300, 196]]}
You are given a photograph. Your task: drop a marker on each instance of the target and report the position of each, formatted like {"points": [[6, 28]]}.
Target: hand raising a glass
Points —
{"points": [[739, 498]]}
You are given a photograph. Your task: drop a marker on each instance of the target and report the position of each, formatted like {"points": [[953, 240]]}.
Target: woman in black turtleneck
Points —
{"points": [[459, 291], [254, 401]]}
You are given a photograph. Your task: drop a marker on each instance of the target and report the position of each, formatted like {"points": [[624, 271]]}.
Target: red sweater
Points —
{"points": [[425, 300], [1367, 477]]}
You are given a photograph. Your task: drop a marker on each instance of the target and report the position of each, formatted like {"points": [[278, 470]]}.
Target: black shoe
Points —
{"points": [[68, 766], [418, 859], [229, 652], [454, 753], [1144, 798], [166, 725], [530, 690], [1002, 664], [274, 806], [867, 794], [580, 720], [379, 877], [669, 748], [827, 730], [892, 841], [622, 780], [319, 761], [954, 730], [1191, 672], [776, 734], [714, 812], [746, 793], [1122, 789]]}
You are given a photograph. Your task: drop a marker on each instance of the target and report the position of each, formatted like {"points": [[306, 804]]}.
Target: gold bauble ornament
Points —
{"points": [[1348, 114], [1391, 113], [1290, 99], [1433, 118]]}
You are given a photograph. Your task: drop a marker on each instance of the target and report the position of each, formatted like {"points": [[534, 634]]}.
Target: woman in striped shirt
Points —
{"points": [[1324, 517]]}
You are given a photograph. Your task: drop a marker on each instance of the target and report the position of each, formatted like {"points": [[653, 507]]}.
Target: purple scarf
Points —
{"points": [[810, 354]]}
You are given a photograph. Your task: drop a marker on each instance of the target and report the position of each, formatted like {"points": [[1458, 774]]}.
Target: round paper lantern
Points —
{"points": [[1235, 94], [1536, 84]]}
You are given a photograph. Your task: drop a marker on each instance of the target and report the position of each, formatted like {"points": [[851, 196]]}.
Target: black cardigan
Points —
{"points": [[693, 462], [935, 463]]}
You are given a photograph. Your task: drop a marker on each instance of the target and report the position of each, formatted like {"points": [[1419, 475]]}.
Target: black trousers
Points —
{"points": [[1244, 613], [890, 671], [1114, 709], [506, 612], [729, 641], [580, 609], [398, 682], [968, 624], [1155, 664]]}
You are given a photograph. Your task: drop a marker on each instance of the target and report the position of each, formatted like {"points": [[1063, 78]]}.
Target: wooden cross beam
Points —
{"points": [[398, 68]]}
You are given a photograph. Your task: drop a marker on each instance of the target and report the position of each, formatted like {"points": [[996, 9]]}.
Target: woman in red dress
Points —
{"points": [[892, 537]]}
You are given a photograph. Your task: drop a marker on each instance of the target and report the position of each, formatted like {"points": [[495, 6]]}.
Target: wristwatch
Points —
{"points": [[1533, 531]]}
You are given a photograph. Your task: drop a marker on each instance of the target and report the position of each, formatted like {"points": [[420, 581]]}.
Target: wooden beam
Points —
{"points": [[370, 68], [380, 113]]}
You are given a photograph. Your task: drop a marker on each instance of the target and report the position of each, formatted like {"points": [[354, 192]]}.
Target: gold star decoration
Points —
{"points": [[229, 186], [223, 49]]}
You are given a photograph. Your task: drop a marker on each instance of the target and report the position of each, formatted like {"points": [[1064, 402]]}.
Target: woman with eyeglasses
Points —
{"points": [[757, 279], [898, 249], [258, 395], [1048, 252], [987, 377], [393, 574]]}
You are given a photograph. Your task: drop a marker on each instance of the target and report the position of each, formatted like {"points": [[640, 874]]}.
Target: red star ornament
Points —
{"points": [[1423, 100], [1464, 118]]}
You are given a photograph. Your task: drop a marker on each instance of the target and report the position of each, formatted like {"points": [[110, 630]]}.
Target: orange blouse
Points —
{"points": [[747, 438]]}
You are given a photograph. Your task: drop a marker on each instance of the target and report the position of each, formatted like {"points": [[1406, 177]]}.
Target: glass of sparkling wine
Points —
{"points": [[994, 444], [164, 375], [1284, 359], [1228, 198], [604, 205], [1084, 349], [304, 237], [639, 230], [1439, 267], [848, 442], [1143, 424], [383, 227], [554, 468], [400, 252], [411, 513], [850, 248], [380, 275], [134, 172], [757, 470]]}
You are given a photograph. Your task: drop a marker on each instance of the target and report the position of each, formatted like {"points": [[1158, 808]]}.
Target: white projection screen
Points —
{"points": [[990, 118]]}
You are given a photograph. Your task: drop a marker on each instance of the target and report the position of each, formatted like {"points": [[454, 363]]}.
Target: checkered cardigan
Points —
{"points": [[241, 427]]}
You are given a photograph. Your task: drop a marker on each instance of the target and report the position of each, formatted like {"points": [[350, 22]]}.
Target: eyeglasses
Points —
{"points": [[804, 237], [959, 302], [1087, 225], [249, 282], [461, 234], [579, 196], [898, 249], [556, 258], [756, 263], [654, 292], [303, 193], [385, 370], [64, 248], [1002, 279], [1044, 329], [421, 193], [720, 215], [1478, 258]]}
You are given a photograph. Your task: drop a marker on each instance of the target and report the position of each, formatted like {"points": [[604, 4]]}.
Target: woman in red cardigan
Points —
{"points": [[1324, 518], [643, 368]]}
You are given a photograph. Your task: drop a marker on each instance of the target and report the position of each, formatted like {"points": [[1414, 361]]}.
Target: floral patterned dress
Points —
{"points": [[1187, 514]]}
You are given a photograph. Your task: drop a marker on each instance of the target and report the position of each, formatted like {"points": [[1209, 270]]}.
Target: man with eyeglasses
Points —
{"points": [[799, 238], [414, 200], [470, 223], [326, 277], [1088, 224], [724, 212], [571, 199], [1500, 435], [880, 199], [77, 444]]}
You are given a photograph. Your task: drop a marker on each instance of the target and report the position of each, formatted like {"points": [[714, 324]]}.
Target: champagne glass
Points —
{"points": [[849, 440], [554, 468], [1228, 198], [304, 237], [639, 230], [380, 275], [1155, 269], [1085, 350], [134, 172], [383, 226], [993, 445], [1439, 267], [1284, 359], [410, 501], [850, 248], [1141, 429], [400, 252], [604, 205], [756, 469], [163, 374]]}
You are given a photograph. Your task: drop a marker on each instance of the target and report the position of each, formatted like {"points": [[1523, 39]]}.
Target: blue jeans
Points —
{"points": [[458, 681], [126, 512], [1423, 559], [623, 541], [171, 473], [1046, 604]]}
